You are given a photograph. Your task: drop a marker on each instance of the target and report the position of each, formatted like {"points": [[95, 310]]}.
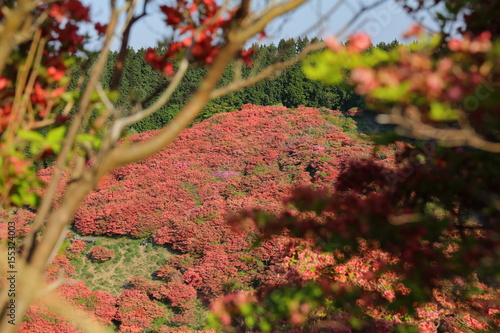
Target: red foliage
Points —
{"points": [[182, 194], [169, 274], [200, 24], [101, 254], [98, 303], [411, 262], [177, 294], [63, 35], [358, 42], [354, 112], [172, 192], [40, 319], [77, 246], [136, 311], [15, 225], [59, 265]]}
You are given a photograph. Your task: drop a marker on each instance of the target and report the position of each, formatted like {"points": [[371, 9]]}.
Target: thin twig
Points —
{"points": [[121, 124]]}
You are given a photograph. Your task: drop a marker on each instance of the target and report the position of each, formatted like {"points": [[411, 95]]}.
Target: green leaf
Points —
{"points": [[406, 329], [442, 112], [246, 309], [69, 61], [265, 325], [435, 41], [65, 81], [85, 137], [376, 57], [36, 147], [31, 199], [56, 134], [391, 94], [326, 67], [94, 96], [113, 96], [16, 200], [213, 321], [355, 323], [55, 137], [31, 136], [100, 108], [67, 97], [250, 321], [70, 96]]}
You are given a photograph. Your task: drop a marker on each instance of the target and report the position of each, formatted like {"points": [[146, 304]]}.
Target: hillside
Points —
{"points": [[233, 160], [164, 247], [180, 199]]}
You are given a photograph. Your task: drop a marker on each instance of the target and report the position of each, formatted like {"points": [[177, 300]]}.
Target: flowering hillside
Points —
{"points": [[247, 158], [181, 198], [263, 162]]}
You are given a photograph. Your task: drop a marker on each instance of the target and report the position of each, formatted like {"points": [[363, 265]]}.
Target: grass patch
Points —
{"points": [[131, 260]]}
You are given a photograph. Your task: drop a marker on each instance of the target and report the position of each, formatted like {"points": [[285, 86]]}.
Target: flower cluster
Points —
{"points": [[101, 254], [200, 25]]}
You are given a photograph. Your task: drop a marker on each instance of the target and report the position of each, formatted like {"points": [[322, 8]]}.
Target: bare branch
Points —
{"points": [[446, 136], [254, 25], [36, 256], [46, 204], [322, 18], [269, 71], [102, 94], [358, 14], [120, 124], [71, 313], [14, 19], [122, 54]]}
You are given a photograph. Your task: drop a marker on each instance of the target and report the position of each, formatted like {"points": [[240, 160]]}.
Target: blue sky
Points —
{"points": [[384, 23]]}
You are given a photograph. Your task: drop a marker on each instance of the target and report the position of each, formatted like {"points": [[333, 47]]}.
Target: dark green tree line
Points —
{"points": [[139, 84]]}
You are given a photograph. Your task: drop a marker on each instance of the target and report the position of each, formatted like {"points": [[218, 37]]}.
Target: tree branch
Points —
{"points": [[33, 261], [14, 19], [120, 124], [446, 136], [122, 54]]}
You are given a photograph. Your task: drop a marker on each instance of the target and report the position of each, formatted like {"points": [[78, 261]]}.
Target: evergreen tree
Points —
{"points": [[140, 83]]}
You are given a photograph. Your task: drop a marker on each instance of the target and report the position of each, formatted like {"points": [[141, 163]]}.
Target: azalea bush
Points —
{"points": [[101, 254]]}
